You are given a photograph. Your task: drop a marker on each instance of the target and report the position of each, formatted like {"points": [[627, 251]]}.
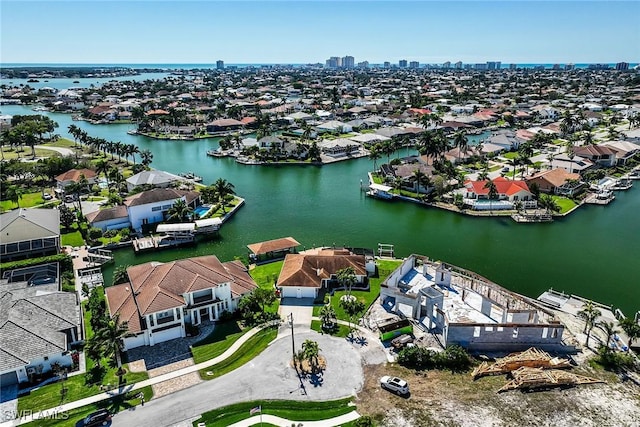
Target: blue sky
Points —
{"points": [[311, 31]]}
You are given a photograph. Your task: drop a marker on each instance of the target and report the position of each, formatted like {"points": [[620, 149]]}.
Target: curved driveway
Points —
{"points": [[268, 376]]}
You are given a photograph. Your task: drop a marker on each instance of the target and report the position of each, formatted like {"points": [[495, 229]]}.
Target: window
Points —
{"points": [[156, 208], [554, 333], [476, 331], [545, 332], [515, 332], [164, 314], [166, 207], [488, 328], [151, 322]]}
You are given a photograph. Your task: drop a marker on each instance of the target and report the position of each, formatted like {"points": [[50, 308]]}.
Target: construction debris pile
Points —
{"points": [[532, 369]]}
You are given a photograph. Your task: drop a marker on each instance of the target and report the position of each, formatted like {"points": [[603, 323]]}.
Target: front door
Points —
{"points": [[298, 293], [204, 314]]}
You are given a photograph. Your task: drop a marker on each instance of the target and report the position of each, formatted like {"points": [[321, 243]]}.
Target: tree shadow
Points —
{"points": [[316, 379], [95, 375]]}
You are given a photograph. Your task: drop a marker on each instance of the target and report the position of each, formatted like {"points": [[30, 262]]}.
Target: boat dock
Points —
{"points": [[535, 217], [600, 198]]}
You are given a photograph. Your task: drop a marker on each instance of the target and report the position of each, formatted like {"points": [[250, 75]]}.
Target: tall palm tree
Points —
{"points": [[568, 123], [146, 157], [347, 278], [102, 166], [311, 351], [609, 329], [387, 148], [590, 314], [461, 141], [328, 316], [548, 203], [493, 192], [420, 179], [588, 138], [374, 155], [631, 328], [112, 337], [223, 189]]}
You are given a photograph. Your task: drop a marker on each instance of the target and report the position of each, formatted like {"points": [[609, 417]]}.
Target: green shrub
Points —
{"points": [[94, 233], [454, 358], [613, 360], [65, 262]]}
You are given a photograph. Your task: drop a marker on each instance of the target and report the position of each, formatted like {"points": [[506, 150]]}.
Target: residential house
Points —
{"points": [[28, 233], [598, 154], [161, 298], [74, 176], [624, 150], [224, 125], [476, 194], [113, 218], [338, 147], [150, 207], [556, 181], [155, 178], [334, 126], [303, 275], [38, 325], [465, 309]]}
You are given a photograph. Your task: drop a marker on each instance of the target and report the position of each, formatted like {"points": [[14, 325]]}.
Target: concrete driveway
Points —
{"points": [[302, 310], [268, 376]]}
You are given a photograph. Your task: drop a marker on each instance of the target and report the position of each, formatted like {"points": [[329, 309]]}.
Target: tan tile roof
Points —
{"points": [[161, 286], [302, 270], [555, 177], [273, 245], [74, 175]]}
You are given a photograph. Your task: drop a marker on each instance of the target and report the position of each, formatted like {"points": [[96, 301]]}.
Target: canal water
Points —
{"points": [[595, 252]]}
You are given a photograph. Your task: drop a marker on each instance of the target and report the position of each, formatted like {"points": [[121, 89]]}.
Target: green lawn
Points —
{"points": [[341, 332], [73, 238], [247, 351], [291, 410], [108, 240], [565, 204], [10, 154], [218, 341], [79, 386], [265, 276], [61, 142], [116, 404], [28, 200], [385, 268], [510, 155]]}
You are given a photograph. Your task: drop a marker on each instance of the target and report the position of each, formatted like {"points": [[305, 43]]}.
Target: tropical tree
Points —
{"points": [[347, 278], [631, 328], [310, 352], [94, 350], [588, 138], [223, 189], [120, 274], [179, 212], [328, 316], [609, 329], [461, 141], [352, 306], [420, 180], [374, 155], [66, 216], [112, 336], [548, 203], [590, 314], [14, 193], [493, 192], [568, 123], [146, 157]]}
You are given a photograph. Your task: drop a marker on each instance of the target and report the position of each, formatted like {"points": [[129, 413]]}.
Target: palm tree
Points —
{"points": [[568, 123], [112, 337], [588, 138], [374, 155], [493, 192], [387, 148], [311, 351], [346, 277], [132, 150], [223, 189], [631, 328], [328, 316], [420, 179], [548, 203], [146, 157], [461, 141], [609, 329], [102, 166], [14, 193], [179, 211], [590, 314], [570, 154]]}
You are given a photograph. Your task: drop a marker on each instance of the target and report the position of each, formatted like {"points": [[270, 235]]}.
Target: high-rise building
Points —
{"points": [[622, 66], [569, 67], [481, 66], [219, 64], [387, 64], [363, 64], [414, 65], [493, 65], [468, 66], [402, 63], [459, 65], [512, 66], [333, 62], [348, 62], [446, 64], [498, 65]]}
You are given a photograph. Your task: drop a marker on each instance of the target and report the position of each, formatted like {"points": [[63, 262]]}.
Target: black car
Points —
{"points": [[98, 418]]}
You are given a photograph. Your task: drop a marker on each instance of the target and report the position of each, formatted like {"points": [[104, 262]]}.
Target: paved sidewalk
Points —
{"points": [[139, 385], [272, 419]]}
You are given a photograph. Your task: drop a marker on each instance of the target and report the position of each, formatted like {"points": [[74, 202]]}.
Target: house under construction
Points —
{"points": [[532, 358], [467, 309]]}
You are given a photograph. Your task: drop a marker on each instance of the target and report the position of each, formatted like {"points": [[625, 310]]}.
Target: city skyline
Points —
{"points": [[309, 32]]}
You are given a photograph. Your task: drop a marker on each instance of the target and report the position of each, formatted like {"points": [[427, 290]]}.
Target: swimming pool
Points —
{"points": [[202, 210]]}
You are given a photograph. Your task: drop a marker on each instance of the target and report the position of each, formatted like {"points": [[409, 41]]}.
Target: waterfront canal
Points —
{"points": [[595, 252]]}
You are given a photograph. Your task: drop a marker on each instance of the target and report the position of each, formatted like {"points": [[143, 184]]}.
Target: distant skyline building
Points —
{"points": [[363, 64], [348, 61], [513, 66], [402, 63], [219, 64], [458, 65], [386, 64], [569, 67], [414, 65], [446, 64], [481, 66], [494, 65], [622, 66]]}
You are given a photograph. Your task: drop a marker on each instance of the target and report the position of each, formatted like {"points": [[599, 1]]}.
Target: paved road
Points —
{"points": [[268, 376], [62, 150]]}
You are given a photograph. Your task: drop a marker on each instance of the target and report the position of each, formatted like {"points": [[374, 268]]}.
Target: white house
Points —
{"points": [[303, 275], [161, 298], [113, 218], [151, 206]]}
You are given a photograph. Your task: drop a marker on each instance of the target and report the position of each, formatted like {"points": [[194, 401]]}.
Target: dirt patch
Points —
{"points": [[441, 398], [306, 368]]}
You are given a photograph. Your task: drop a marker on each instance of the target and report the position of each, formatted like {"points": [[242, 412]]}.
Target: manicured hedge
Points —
{"points": [[65, 262]]}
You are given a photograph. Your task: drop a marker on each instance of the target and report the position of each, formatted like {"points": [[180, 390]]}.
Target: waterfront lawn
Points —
{"points": [[79, 386], [28, 200], [565, 204], [376, 178], [510, 155], [73, 238], [220, 212], [218, 341], [115, 404], [291, 410], [341, 331], [265, 276], [247, 351], [10, 154], [62, 143], [385, 268]]}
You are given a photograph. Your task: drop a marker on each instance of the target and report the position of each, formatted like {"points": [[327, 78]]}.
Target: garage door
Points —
{"points": [[167, 334], [9, 378]]}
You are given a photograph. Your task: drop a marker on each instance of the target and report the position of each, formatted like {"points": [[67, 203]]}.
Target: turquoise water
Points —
{"points": [[593, 253], [201, 210]]}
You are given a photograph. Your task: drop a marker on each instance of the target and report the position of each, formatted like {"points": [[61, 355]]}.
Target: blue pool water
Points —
{"points": [[201, 210]]}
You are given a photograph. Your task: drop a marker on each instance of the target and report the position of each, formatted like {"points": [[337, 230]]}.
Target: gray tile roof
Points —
{"points": [[26, 224], [153, 177]]}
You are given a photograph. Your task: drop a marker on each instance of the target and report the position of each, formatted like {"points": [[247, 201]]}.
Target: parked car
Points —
{"points": [[47, 196], [98, 418], [401, 341], [395, 385]]}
